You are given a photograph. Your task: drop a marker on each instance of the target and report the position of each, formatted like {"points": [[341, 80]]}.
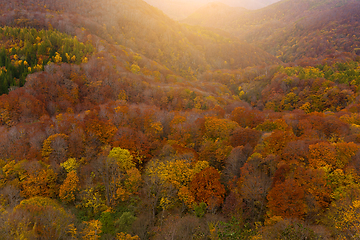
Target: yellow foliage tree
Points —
{"points": [[92, 199], [343, 217], [122, 157], [175, 174], [57, 58], [70, 165], [119, 175], [216, 128], [124, 236], [92, 230], [69, 187], [135, 68]]}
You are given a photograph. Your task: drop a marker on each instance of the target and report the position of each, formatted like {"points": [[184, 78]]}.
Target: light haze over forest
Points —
{"points": [[181, 9]]}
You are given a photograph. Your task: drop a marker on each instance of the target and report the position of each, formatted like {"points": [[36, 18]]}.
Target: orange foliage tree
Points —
{"points": [[242, 136], [39, 182], [286, 199], [69, 187], [276, 142], [299, 192], [96, 129], [246, 118], [206, 187], [316, 190], [334, 156]]}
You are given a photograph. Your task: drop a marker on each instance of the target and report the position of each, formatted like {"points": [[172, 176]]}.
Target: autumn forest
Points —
{"points": [[118, 122]]}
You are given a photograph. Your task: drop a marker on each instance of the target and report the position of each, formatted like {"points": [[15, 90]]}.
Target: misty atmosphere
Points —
{"points": [[181, 9], [227, 120]]}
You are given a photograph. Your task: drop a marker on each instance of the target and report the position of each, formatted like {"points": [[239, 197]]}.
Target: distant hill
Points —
{"points": [[181, 9], [255, 4], [215, 15], [176, 9], [142, 28], [293, 29]]}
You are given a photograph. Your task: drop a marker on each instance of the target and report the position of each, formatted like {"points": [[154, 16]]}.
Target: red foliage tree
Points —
{"points": [[247, 118], [242, 136], [206, 187], [286, 199]]}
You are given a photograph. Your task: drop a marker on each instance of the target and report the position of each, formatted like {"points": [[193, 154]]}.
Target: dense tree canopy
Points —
{"points": [[110, 130]]}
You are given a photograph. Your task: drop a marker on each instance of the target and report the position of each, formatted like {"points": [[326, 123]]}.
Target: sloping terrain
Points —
{"points": [[292, 30], [181, 9], [183, 49], [119, 123]]}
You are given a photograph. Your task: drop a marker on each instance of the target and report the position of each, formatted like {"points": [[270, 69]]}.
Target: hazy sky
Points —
{"points": [[176, 9], [233, 3], [180, 9]]}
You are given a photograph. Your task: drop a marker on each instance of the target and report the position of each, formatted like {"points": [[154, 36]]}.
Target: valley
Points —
{"points": [[229, 122]]}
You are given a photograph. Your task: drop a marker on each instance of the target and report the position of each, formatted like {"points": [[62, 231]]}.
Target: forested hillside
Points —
{"points": [[183, 49], [117, 122], [292, 30], [25, 51]]}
